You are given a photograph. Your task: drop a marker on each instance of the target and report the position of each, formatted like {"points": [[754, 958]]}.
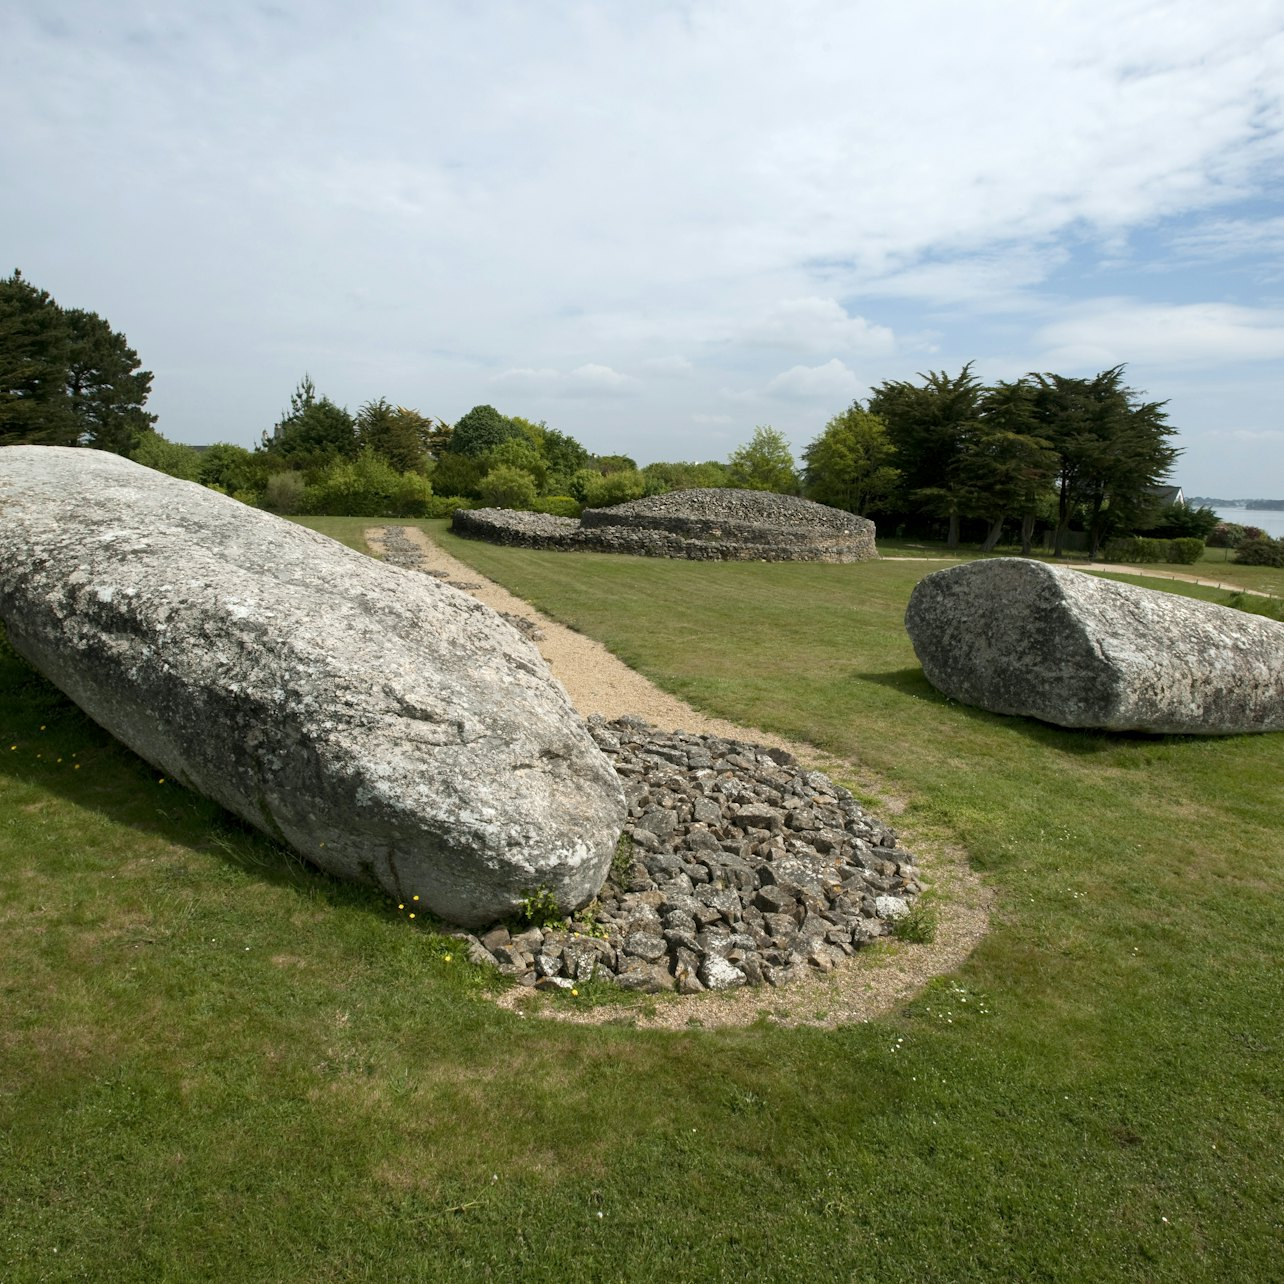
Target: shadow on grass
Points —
{"points": [[50, 744], [1079, 741]]}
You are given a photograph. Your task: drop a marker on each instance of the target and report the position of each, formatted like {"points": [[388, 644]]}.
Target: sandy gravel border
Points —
{"points": [[876, 980]]}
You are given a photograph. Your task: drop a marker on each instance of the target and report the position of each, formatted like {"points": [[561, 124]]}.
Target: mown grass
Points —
{"points": [[217, 1064]]}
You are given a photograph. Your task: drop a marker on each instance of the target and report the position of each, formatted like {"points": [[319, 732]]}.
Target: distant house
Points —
{"points": [[1167, 496]]}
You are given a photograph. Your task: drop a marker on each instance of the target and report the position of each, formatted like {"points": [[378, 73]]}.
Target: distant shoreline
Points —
{"points": [[1270, 520], [1256, 505]]}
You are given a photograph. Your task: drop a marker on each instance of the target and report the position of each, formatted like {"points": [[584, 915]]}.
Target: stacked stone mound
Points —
{"points": [[387, 727], [703, 525], [738, 868], [1021, 637]]}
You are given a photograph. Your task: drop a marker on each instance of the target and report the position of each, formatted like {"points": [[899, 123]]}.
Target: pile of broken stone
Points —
{"points": [[702, 525], [738, 866]]}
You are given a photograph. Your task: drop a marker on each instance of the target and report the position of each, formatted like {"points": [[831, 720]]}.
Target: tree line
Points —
{"points": [[942, 456]]}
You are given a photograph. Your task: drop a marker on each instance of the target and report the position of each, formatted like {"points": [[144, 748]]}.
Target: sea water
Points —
{"points": [[1271, 520]]}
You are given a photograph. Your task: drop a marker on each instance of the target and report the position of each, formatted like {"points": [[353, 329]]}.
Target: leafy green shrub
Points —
{"points": [[918, 926], [518, 453], [1261, 552], [1226, 535], [411, 496], [444, 505], [458, 474], [1179, 521], [613, 488], [1137, 548], [539, 908], [508, 487], [285, 493], [232, 468], [558, 506], [368, 486], [165, 456], [1187, 550]]}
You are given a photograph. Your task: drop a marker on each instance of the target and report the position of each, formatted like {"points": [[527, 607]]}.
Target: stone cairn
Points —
{"points": [[736, 866], [709, 524]]}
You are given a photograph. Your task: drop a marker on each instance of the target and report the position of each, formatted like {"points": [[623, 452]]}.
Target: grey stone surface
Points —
{"points": [[755, 907], [1018, 636], [704, 524], [387, 727]]}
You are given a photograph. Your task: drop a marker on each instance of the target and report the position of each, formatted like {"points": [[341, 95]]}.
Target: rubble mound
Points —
{"points": [[710, 524], [737, 867]]}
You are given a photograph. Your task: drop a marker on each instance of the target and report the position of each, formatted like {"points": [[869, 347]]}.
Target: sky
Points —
{"points": [[656, 226]]}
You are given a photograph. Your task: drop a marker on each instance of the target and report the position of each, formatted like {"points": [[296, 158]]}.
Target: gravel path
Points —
{"points": [[1118, 569], [875, 981]]}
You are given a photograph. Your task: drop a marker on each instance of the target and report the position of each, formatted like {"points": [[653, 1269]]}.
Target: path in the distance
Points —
{"points": [[871, 983], [1111, 568]]}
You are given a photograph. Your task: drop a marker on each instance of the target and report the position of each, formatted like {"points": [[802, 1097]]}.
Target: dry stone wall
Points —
{"points": [[701, 525]]}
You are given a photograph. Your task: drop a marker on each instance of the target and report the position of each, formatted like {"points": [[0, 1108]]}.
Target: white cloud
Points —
{"points": [[668, 365], [191, 174], [1108, 331], [816, 324], [712, 420], [1216, 240], [831, 382], [584, 381], [1249, 434]]}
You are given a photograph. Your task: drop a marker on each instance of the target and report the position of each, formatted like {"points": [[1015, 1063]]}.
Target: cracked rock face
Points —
{"points": [[387, 727], [1017, 636]]}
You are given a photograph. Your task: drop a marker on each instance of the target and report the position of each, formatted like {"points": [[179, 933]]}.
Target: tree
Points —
{"points": [[66, 378], [928, 424], [851, 464], [313, 431], [661, 477], [765, 462], [519, 453], [604, 464], [33, 361], [480, 431], [1113, 450], [232, 469], [508, 487], [1004, 469], [165, 456], [604, 490], [563, 454], [1178, 521], [106, 388], [458, 475], [394, 433]]}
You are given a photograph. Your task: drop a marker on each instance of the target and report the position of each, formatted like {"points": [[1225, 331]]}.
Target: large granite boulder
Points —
{"points": [[386, 726], [1018, 636]]}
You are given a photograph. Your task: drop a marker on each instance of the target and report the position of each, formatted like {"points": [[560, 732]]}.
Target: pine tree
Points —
{"points": [[66, 377]]}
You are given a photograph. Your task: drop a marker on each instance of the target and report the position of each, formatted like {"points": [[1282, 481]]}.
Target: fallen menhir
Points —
{"points": [[1017, 636], [390, 729], [744, 868]]}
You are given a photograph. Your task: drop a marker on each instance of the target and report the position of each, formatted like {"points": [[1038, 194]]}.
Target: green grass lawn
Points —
{"points": [[215, 1064]]}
